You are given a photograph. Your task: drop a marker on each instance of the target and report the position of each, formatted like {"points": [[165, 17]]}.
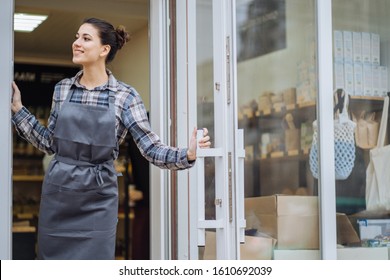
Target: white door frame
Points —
{"points": [[326, 183], [6, 77], [159, 118]]}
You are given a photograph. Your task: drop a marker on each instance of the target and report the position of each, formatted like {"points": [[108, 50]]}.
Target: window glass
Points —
{"points": [[276, 81], [205, 112], [361, 57]]}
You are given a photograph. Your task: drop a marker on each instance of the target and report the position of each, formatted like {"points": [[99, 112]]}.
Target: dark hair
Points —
{"points": [[115, 37]]}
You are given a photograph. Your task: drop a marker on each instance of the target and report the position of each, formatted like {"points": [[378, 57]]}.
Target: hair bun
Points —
{"points": [[122, 36]]}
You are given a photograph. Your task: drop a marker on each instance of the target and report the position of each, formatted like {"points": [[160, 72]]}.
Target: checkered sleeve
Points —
{"points": [[136, 121], [30, 129]]}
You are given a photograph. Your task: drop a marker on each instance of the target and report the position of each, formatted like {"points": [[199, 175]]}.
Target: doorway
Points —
{"points": [[42, 58]]}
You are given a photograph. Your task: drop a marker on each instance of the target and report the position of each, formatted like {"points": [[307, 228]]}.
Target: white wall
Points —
{"points": [[362, 16], [131, 64], [278, 70]]}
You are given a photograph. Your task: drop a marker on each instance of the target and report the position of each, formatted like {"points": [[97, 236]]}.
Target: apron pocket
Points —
{"points": [[77, 208]]}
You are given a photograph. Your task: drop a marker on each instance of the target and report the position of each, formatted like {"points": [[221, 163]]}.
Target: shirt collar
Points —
{"points": [[112, 83]]}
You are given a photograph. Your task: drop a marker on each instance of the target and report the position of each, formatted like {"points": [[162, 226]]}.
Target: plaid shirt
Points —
{"points": [[130, 116]]}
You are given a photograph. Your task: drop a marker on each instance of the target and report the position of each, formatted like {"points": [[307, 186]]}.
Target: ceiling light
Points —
{"points": [[27, 22]]}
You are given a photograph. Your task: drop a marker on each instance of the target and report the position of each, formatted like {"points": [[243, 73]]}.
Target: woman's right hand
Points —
{"points": [[16, 103]]}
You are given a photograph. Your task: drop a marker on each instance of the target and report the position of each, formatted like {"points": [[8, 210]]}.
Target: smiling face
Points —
{"points": [[87, 48]]}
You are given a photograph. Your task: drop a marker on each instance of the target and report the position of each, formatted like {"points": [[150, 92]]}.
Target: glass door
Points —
{"points": [[253, 75], [215, 219]]}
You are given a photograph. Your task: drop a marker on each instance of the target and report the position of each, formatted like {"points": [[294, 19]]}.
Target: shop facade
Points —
{"points": [[257, 74]]}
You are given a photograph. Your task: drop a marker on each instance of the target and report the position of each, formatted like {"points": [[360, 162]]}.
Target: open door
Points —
{"points": [[215, 194]]}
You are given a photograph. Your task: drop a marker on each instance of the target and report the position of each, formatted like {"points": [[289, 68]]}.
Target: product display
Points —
{"points": [[291, 134], [357, 65], [367, 129], [374, 232]]}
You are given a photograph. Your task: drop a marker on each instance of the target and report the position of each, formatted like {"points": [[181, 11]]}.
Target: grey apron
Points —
{"points": [[79, 202]]}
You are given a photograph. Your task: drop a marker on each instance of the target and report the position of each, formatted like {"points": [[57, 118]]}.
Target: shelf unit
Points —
{"points": [[255, 122], [27, 178]]}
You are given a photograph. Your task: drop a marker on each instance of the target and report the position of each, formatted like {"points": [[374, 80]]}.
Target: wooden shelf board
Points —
{"points": [[27, 178]]}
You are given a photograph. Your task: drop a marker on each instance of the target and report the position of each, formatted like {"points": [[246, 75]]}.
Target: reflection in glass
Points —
{"points": [[261, 27]]}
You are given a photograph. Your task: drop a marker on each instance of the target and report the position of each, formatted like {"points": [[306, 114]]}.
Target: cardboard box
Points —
{"points": [[346, 234], [254, 248], [257, 248], [293, 221], [260, 214], [375, 49], [366, 47], [297, 222], [338, 46], [348, 78], [297, 254], [358, 79], [367, 79], [376, 80], [384, 84], [348, 46], [357, 46]]}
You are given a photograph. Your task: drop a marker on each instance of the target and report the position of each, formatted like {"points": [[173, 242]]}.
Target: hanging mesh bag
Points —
{"points": [[344, 145]]}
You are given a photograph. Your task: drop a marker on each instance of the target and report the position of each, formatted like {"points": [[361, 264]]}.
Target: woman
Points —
{"points": [[90, 116]]}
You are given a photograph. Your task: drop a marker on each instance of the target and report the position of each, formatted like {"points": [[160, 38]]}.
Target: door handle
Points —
{"points": [[203, 224]]}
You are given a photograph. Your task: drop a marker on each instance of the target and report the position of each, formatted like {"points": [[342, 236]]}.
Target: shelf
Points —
{"points": [[278, 110], [34, 157], [27, 178], [366, 103], [285, 156], [307, 104], [25, 215], [366, 98], [23, 229], [270, 119]]}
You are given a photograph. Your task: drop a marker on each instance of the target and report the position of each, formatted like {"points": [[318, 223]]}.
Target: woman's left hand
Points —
{"points": [[204, 142]]}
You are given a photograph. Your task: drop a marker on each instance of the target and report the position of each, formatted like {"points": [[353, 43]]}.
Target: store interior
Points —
{"points": [[277, 109], [42, 58]]}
